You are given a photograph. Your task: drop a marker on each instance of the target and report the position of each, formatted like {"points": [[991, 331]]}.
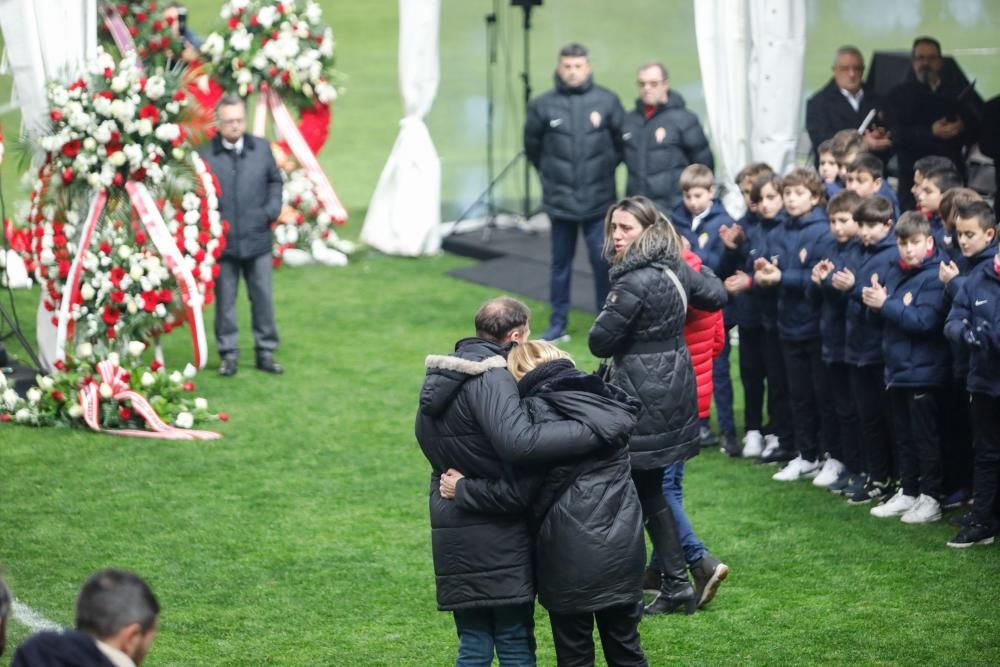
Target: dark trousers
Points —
{"points": [[847, 448], [956, 446], [753, 373], [649, 488], [509, 630], [867, 388], [573, 635], [986, 471], [257, 272], [563, 248], [779, 402], [916, 427], [807, 383], [722, 390]]}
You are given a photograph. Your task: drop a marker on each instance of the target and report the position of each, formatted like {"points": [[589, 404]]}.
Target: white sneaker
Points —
{"points": [[753, 444], [898, 505], [771, 445], [797, 468], [829, 474], [925, 510]]}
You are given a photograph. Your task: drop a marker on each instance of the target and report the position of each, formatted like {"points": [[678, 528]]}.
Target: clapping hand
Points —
{"points": [[449, 482], [843, 280], [766, 273], [823, 268], [731, 235], [947, 271], [737, 283], [875, 296]]}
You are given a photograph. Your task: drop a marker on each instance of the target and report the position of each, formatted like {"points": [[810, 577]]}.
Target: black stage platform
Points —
{"points": [[517, 262]]}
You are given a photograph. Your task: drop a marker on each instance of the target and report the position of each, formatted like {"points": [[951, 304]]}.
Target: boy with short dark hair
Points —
{"points": [[792, 253], [865, 176], [917, 367], [932, 188], [845, 146], [925, 165], [974, 321], [863, 350], [843, 456], [829, 170], [698, 218]]}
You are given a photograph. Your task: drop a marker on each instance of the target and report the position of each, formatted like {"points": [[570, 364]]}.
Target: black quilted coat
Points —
{"points": [[585, 514], [642, 327], [471, 419], [573, 137]]}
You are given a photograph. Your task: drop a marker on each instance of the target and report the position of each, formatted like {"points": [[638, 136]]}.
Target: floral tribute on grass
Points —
{"points": [[124, 232], [151, 33], [120, 396]]}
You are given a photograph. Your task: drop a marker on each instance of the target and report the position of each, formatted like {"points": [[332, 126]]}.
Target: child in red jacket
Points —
{"points": [[705, 335]]}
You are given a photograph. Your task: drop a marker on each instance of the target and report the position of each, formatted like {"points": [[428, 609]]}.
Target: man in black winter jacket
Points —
{"points": [[661, 137], [572, 135], [471, 419]]}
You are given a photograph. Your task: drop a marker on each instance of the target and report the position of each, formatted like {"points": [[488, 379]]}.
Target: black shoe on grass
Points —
{"points": [[872, 491], [973, 534]]}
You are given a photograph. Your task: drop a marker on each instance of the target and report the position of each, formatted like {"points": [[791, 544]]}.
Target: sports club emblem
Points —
{"points": [[803, 255], [660, 135], [703, 239], [908, 298], [875, 277], [595, 118]]}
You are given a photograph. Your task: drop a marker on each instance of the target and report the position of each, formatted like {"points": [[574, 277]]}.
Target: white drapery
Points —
{"points": [[751, 56], [405, 211]]}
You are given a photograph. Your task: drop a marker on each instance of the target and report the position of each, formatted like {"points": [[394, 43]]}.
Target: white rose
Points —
{"points": [[136, 347], [94, 180], [147, 379], [124, 251], [200, 404], [132, 307], [185, 420], [313, 12], [75, 411], [176, 377], [144, 127], [10, 398], [178, 154], [113, 358], [87, 292], [34, 395], [167, 132], [89, 144], [117, 158], [105, 390], [45, 382], [240, 40], [190, 371], [84, 350], [23, 416], [136, 271], [156, 86], [119, 83]]}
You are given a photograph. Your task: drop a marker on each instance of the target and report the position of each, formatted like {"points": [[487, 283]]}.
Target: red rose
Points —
{"points": [[140, 17], [59, 365], [140, 238], [106, 94], [139, 174], [71, 148], [224, 416], [118, 180], [108, 73], [111, 334], [68, 175], [115, 143], [49, 305], [170, 20], [165, 295], [157, 26], [134, 31], [189, 386], [118, 296], [155, 365], [64, 269], [253, 21], [149, 301], [117, 273], [125, 413], [105, 247], [59, 240], [286, 77], [123, 9], [58, 396], [233, 22], [55, 321], [179, 96], [150, 112], [110, 316]]}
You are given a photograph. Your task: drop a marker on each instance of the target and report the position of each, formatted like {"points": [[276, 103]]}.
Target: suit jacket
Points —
{"points": [[828, 112], [251, 194]]}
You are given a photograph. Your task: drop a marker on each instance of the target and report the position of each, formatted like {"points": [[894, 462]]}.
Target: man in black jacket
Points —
{"points": [[471, 419], [572, 135], [661, 137], [843, 104], [250, 201]]}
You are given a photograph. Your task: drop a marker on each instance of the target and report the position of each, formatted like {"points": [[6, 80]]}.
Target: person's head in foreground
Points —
{"points": [[117, 608]]}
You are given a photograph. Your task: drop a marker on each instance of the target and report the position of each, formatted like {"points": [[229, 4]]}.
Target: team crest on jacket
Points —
{"points": [[595, 118], [803, 255], [660, 135], [875, 277], [908, 298], [703, 239]]}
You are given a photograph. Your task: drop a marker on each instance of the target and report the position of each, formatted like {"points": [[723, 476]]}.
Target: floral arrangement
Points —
{"points": [[110, 126], [56, 400], [157, 39], [274, 43]]}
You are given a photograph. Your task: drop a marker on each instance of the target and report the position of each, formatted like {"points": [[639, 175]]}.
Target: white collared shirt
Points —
{"points": [[117, 658], [696, 220], [855, 99], [237, 147]]}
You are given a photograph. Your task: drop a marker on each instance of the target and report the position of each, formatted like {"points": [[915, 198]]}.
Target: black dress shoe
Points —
{"points": [[266, 363], [706, 438], [730, 445], [228, 367]]}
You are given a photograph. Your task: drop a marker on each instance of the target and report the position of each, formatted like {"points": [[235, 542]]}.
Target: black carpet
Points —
{"points": [[517, 262]]}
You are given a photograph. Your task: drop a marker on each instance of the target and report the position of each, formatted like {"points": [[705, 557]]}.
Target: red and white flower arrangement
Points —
{"points": [[155, 33], [275, 43]]}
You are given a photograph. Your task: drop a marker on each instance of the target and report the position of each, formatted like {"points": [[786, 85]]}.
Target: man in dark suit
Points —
{"points": [[250, 202], [843, 103]]}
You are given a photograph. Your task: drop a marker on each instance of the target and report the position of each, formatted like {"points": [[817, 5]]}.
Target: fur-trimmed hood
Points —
{"points": [[634, 259], [447, 373]]}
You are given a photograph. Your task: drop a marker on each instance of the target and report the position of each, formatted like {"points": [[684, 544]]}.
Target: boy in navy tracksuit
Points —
{"points": [[932, 188], [865, 176], [764, 346], [792, 253], [917, 367], [837, 252], [974, 322], [873, 260], [972, 225], [698, 218]]}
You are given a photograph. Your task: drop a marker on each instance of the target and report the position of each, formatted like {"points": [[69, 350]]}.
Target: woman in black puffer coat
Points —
{"points": [[642, 328], [584, 513]]}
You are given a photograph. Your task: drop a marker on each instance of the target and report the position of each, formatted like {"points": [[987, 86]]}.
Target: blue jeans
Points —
{"points": [[563, 248], [673, 480], [722, 391], [509, 629]]}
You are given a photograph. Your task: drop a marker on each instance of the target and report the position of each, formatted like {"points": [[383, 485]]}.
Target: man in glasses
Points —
{"points": [[661, 138]]}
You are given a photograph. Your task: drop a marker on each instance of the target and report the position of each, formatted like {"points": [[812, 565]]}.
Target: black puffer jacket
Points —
{"points": [[642, 327], [658, 149], [471, 419], [573, 138], [585, 514]]}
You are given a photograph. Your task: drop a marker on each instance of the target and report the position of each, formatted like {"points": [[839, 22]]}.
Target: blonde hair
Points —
{"points": [[529, 355], [696, 176], [657, 231]]}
